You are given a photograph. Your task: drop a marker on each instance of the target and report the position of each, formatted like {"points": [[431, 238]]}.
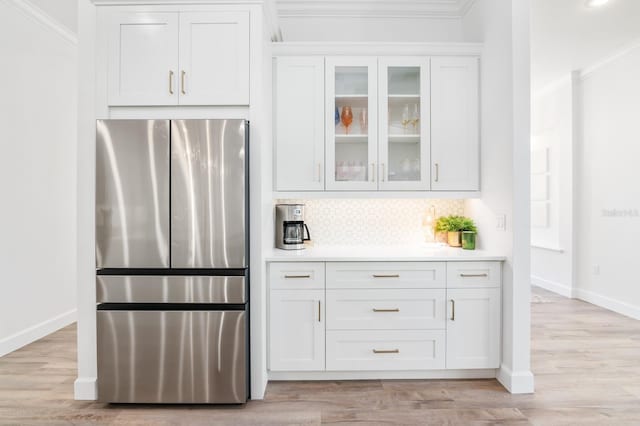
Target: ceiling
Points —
{"points": [[566, 35], [374, 8]]}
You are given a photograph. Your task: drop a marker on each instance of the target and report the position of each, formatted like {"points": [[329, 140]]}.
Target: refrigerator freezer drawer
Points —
{"points": [[172, 356], [170, 289]]}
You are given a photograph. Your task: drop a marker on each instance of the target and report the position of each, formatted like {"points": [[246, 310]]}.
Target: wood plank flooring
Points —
{"points": [[586, 361]]}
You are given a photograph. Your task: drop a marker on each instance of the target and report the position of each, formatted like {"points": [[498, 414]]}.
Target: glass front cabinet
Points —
{"points": [[351, 142], [377, 134]]}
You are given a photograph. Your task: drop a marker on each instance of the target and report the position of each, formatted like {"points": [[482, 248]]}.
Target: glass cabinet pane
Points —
{"points": [[351, 123], [404, 134]]}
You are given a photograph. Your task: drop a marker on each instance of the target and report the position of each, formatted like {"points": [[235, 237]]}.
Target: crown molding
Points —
{"points": [[453, 9], [45, 19], [375, 49]]}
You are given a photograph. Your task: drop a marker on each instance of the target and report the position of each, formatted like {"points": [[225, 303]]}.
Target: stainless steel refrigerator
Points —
{"points": [[172, 256]]}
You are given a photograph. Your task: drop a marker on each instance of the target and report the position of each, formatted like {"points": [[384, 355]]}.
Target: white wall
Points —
{"points": [[609, 183], [370, 29], [552, 129], [503, 28], [37, 178]]}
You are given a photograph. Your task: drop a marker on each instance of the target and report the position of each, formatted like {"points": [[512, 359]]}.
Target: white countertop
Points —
{"points": [[404, 253]]}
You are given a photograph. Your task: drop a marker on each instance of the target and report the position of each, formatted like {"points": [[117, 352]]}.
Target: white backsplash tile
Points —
{"points": [[372, 222]]}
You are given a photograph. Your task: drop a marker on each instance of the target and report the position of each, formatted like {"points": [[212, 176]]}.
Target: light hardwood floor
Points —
{"points": [[586, 361]]}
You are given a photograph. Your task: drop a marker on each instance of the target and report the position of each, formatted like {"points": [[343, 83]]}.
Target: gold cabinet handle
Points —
{"points": [[297, 276], [386, 351], [386, 310], [453, 310], [373, 172], [474, 275], [182, 89], [437, 172], [170, 82], [319, 312], [383, 175], [386, 275]]}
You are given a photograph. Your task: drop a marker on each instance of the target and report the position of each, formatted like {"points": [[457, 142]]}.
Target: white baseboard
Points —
{"points": [[559, 288], [516, 383], [85, 389], [38, 331], [614, 305]]}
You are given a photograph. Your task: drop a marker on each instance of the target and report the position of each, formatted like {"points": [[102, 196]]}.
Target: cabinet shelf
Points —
{"points": [[352, 138], [404, 138], [352, 96]]}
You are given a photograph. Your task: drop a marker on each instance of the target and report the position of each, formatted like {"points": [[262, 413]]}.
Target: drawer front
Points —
{"points": [[474, 274], [385, 350], [386, 309], [296, 275], [172, 356], [391, 275]]}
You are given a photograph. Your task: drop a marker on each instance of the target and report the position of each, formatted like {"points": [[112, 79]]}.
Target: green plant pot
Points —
{"points": [[468, 240]]}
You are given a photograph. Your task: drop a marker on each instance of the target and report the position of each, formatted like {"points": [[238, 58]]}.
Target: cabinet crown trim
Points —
{"points": [[376, 49]]}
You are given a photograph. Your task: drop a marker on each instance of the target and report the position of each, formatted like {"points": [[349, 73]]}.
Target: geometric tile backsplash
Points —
{"points": [[372, 221]]}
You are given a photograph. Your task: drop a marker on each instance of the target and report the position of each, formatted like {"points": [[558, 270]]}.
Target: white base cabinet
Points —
{"points": [[296, 330], [473, 328], [384, 316]]}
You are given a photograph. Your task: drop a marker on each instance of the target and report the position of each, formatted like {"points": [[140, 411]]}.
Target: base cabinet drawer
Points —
{"points": [[376, 275], [474, 274], [296, 275], [358, 350], [413, 309]]}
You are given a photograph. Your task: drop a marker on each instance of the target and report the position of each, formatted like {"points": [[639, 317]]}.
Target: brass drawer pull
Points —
{"points": [[297, 276], [319, 312], [386, 310], [386, 275], [386, 351], [474, 275], [453, 310]]}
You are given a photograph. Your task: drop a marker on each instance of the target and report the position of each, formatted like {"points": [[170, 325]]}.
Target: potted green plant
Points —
{"points": [[442, 228], [469, 232], [455, 226]]}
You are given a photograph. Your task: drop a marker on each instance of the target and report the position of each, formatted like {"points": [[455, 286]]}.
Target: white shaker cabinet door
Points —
{"points": [[299, 113], [296, 330], [143, 58], [473, 328], [455, 126], [214, 58]]}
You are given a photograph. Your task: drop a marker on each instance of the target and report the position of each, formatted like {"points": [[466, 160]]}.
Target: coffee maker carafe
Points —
{"points": [[290, 227]]}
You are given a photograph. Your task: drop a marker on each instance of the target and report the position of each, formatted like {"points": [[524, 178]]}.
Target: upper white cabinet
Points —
{"points": [[178, 58], [214, 58], [391, 123], [455, 124], [299, 123], [351, 123], [143, 59], [403, 144]]}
